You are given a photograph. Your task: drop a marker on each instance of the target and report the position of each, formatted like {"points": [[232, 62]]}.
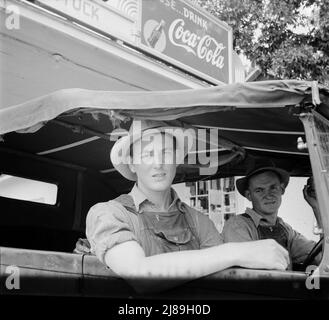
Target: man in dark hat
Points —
{"points": [[264, 186]]}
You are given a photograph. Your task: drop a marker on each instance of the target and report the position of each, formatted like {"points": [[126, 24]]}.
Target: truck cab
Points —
{"points": [[73, 92]]}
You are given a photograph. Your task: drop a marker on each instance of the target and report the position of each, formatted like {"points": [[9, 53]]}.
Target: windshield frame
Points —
{"points": [[321, 181]]}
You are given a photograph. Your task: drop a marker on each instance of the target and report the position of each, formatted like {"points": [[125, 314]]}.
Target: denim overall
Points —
{"points": [[160, 232], [276, 232]]}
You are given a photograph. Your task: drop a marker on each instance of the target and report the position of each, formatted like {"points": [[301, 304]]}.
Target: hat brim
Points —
{"points": [[242, 183], [121, 149]]}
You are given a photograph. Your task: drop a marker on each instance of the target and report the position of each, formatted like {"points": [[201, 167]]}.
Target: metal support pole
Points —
{"points": [[321, 179]]}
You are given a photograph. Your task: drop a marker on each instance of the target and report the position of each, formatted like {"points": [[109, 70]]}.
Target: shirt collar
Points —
{"points": [[257, 218], [139, 198]]}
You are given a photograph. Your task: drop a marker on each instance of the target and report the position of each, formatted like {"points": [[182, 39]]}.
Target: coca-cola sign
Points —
{"points": [[188, 37]]}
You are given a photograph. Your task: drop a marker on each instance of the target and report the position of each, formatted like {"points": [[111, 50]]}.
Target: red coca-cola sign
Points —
{"points": [[187, 36]]}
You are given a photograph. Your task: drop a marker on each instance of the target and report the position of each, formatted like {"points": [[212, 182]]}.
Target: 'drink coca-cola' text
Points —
{"points": [[204, 47]]}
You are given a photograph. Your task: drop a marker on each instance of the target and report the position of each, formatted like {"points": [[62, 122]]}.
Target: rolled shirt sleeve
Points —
{"points": [[107, 225], [237, 229]]}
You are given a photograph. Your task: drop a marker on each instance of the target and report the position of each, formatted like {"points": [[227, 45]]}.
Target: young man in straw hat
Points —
{"points": [[150, 233], [264, 186]]}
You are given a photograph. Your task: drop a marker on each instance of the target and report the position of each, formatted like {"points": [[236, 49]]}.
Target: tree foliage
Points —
{"points": [[285, 39]]}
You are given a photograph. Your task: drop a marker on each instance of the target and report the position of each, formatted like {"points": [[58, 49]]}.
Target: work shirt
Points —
{"points": [[132, 217], [242, 228]]}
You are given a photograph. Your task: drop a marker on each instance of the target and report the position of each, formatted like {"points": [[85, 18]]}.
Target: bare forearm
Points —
{"points": [[189, 264], [128, 260], [167, 270], [317, 214]]}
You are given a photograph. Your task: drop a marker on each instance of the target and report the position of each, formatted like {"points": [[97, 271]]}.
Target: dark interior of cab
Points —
{"points": [[32, 234]]}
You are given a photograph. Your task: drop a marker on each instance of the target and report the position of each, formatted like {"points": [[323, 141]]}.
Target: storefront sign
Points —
{"points": [[187, 36], [99, 15]]}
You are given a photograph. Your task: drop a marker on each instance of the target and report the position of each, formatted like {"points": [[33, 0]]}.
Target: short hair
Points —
{"points": [[131, 148]]}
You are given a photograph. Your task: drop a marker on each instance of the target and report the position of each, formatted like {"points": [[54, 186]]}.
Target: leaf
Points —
{"points": [[269, 34]]}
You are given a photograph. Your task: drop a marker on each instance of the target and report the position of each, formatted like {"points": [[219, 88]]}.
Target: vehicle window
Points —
{"points": [[215, 198], [19, 188], [220, 200]]}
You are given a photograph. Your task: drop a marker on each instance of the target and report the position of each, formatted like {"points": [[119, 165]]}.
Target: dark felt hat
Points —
{"points": [[261, 165]]}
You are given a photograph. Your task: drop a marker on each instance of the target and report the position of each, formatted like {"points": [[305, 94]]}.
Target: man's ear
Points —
{"points": [[247, 194], [132, 167], [283, 189]]}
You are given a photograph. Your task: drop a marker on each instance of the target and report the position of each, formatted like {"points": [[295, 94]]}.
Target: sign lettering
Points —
{"points": [[187, 36]]}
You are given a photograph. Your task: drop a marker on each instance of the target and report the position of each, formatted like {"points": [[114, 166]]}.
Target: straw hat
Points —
{"points": [[120, 153]]}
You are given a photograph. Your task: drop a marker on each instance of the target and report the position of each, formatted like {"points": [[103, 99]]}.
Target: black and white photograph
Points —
{"points": [[164, 155]]}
